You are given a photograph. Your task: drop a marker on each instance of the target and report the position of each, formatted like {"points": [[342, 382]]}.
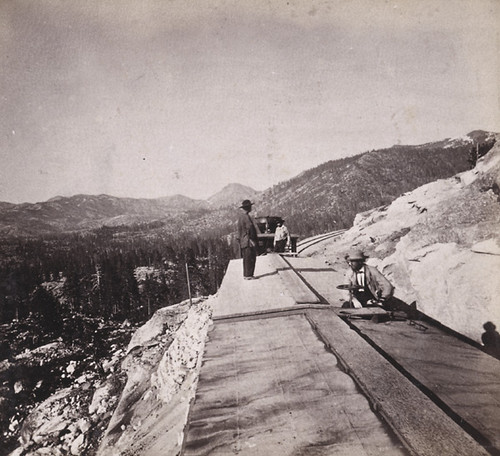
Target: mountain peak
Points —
{"points": [[480, 135], [232, 194]]}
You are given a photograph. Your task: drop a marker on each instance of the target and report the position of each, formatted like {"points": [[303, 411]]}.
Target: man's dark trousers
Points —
{"points": [[249, 255], [280, 246]]}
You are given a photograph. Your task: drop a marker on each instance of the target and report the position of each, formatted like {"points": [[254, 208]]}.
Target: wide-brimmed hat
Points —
{"points": [[489, 326], [246, 203], [356, 254]]}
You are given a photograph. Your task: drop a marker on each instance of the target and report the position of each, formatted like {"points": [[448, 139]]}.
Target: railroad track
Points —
{"points": [[309, 242]]}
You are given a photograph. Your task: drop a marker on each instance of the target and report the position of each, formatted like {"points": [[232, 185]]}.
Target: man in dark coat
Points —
{"points": [[368, 285], [247, 237]]}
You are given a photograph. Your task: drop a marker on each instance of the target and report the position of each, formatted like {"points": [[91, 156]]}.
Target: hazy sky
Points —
{"points": [[148, 98]]}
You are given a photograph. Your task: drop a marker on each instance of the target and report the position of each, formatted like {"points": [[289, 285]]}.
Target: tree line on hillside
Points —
{"points": [[329, 196], [100, 274]]}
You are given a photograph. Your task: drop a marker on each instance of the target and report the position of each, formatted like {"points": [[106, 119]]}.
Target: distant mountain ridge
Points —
{"points": [[82, 212], [323, 198], [330, 195]]}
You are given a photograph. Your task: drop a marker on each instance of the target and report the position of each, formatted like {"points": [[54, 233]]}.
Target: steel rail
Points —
{"points": [[306, 243]]}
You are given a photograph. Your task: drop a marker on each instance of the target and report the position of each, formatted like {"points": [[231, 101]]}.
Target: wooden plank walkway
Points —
{"points": [[464, 378], [322, 277], [418, 421], [238, 296], [268, 386], [300, 292]]}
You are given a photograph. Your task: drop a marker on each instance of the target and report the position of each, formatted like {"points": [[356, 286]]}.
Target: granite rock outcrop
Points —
{"points": [[439, 245]]}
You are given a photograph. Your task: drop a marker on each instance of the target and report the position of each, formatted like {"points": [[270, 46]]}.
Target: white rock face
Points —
{"points": [[162, 323], [456, 286], [182, 355], [162, 366], [440, 246]]}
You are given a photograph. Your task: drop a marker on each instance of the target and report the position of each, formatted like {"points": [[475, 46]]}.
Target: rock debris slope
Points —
{"points": [[140, 406], [439, 245], [162, 372]]}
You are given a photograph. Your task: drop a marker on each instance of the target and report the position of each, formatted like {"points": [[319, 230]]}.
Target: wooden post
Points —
{"points": [[189, 285]]}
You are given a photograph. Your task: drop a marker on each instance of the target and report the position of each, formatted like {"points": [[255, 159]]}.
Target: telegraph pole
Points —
{"points": [[189, 285]]}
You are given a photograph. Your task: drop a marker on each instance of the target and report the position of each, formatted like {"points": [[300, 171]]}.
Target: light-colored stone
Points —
{"points": [[489, 246], [18, 387], [83, 425], [78, 445], [70, 368]]}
